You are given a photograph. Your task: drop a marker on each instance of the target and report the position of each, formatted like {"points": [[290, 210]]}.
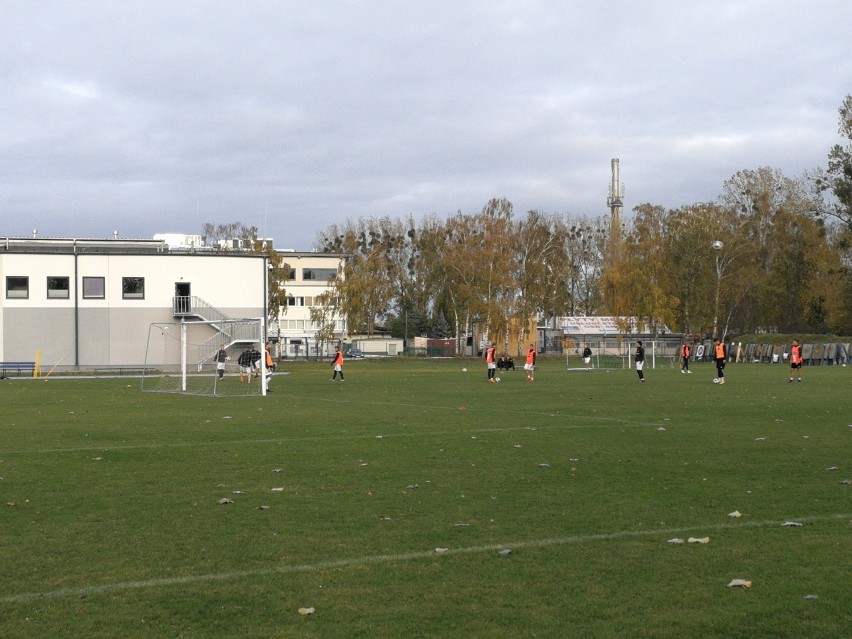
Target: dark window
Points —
{"points": [[292, 275], [58, 287], [319, 274], [133, 288], [94, 288], [17, 287]]}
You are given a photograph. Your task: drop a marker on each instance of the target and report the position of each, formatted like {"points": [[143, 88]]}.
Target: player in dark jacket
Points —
{"points": [[640, 360]]}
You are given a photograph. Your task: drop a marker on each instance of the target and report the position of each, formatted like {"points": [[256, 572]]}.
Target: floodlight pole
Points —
{"points": [[717, 246]]}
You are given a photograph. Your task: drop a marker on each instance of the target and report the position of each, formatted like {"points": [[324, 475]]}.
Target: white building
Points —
{"points": [[311, 275], [88, 303]]}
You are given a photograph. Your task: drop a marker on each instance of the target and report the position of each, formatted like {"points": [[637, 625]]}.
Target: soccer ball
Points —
{"points": [[496, 379], [715, 380], [464, 370], [717, 245]]}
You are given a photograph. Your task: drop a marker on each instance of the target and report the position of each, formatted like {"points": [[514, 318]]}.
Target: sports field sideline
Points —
{"points": [[417, 500]]}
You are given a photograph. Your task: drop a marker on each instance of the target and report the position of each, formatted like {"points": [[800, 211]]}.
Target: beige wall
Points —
{"points": [[113, 331]]}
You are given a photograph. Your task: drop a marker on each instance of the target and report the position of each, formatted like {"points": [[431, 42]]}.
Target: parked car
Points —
{"points": [[356, 353]]}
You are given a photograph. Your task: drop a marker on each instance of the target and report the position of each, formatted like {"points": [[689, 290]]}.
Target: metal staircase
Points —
{"points": [[228, 332]]}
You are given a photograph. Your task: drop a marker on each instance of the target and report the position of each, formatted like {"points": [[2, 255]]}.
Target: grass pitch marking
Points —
{"points": [[618, 423], [586, 421], [166, 582]]}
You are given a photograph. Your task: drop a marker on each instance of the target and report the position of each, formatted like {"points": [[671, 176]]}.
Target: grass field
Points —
{"points": [[111, 525]]}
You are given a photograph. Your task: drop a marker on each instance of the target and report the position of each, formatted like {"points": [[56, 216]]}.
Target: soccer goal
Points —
{"points": [[603, 355], [223, 358]]}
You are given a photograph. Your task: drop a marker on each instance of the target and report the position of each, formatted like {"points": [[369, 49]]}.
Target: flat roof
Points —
{"points": [[109, 246]]}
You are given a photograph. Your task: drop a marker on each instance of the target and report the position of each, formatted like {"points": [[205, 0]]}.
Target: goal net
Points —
{"points": [[223, 358]]}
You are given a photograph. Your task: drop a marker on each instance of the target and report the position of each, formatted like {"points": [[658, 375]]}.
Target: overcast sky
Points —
{"points": [[148, 117]]}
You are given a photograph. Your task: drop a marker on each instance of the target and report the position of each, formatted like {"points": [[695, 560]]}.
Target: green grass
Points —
{"points": [[111, 526]]}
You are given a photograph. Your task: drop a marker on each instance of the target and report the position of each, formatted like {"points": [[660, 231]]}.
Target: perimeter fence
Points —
{"points": [[618, 351]]}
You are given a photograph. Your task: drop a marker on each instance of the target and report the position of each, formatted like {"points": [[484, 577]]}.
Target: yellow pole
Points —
{"points": [[37, 365]]}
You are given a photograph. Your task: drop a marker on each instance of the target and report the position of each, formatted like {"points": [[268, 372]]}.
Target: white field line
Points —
{"points": [[616, 423], [166, 582]]}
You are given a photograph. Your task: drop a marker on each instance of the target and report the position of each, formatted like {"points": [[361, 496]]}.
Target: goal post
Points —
{"points": [[216, 358]]}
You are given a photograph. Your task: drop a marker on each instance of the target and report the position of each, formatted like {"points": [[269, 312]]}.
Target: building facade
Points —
{"points": [[84, 304], [311, 276]]}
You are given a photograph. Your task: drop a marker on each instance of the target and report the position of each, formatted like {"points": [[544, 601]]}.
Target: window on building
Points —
{"points": [[295, 301], [17, 287], [292, 274], [319, 274], [58, 287], [94, 288], [133, 288]]}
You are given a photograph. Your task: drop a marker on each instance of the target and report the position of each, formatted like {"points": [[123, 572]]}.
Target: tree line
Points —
{"points": [[772, 253]]}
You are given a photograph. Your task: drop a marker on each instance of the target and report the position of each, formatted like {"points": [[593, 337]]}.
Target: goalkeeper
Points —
{"points": [[246, 363], [221, 358]]}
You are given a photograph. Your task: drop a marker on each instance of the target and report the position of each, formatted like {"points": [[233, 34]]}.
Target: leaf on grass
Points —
{"points": [[832, 468], [224, 501], [739, 583], [676, 540], [441, 550], [307, 611], [278, 489], [504, 552], [277, 470], [792, 524], [699, 540], [544, 465], [736, 514], [759, 439], [810, 597], [264, 507], [661, 428], [845, 481]]}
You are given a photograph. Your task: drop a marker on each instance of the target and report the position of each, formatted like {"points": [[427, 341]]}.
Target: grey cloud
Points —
{"points": [[158, 116]]}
